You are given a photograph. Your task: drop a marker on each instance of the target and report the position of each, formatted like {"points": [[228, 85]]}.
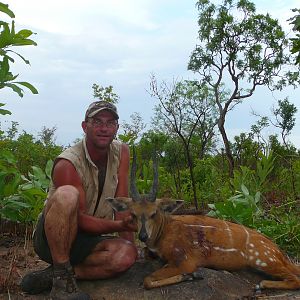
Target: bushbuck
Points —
{"points": [[189, 242]]}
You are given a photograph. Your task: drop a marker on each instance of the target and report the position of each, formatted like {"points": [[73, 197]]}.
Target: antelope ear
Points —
{"points": [[120, 203], [169, 205]]}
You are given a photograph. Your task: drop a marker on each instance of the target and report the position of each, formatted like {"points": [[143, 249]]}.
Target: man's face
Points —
{"points": [[101, 129]]}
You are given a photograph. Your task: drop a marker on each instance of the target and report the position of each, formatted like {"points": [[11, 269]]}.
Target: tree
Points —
{"points": [[105, 93], [132, 130], [47, 135], [185, 111], [239, 51], [285, 118], [296, 40], [8, 40]]}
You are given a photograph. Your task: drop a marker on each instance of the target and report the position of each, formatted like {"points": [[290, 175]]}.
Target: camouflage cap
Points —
{"points": [[97, 106]]}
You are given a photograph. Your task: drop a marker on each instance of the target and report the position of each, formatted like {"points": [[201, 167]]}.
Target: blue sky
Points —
{"points": [[119, 43]]}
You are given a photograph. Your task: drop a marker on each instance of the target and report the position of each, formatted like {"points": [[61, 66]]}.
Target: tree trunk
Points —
{"points": [[228, 152], [190, 163]]}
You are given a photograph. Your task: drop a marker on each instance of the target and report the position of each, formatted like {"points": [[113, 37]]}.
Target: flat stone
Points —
{"points": [[216, 285]]}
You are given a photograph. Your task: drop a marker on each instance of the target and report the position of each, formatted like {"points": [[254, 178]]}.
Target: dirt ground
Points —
{"points": [[17, 258]]}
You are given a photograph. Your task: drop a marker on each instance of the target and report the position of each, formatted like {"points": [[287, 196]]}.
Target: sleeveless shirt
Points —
{"points": [[88, 172]]}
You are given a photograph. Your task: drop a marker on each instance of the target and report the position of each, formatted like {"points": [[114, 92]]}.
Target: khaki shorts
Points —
{"points": [[82, 246]]}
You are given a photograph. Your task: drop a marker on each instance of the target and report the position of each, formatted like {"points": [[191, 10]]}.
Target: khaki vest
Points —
{"points": [[88, 172]]}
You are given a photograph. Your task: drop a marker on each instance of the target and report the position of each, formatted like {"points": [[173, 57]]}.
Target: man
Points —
{"points": [[70, 233]]}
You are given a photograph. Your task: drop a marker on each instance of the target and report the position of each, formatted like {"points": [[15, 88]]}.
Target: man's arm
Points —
{"points": [[64, 173], [122, 190]]}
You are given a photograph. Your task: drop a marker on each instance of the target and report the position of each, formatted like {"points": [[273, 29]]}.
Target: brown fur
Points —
{"points": [[189, 242]]}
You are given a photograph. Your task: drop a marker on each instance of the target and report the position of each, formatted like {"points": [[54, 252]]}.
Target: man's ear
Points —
{"points": [[120, 203], [83, 125], [169, 205]]}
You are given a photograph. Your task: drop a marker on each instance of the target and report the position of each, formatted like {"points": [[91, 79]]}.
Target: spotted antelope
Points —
{"points": [[189, 242]]}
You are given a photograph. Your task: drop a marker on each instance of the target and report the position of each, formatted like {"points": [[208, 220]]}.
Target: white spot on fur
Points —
{"points": [[198, 225], [251, 250], [251, 245], [242, 253], [256, 253], [225, 250], [260, 263], [229, 232], [247, 234], [262, 241], [263, 264], [251, 257]]}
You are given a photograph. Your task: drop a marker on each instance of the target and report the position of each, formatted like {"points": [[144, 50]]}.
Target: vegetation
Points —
{"points": [[247, 51], [9, 39], [254, 180]]}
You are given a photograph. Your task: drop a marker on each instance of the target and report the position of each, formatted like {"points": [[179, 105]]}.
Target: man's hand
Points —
{"points": [[129, 224]]}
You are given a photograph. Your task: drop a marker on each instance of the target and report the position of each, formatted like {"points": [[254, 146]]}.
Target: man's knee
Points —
{"points": [[64, 196], [126, 257]]}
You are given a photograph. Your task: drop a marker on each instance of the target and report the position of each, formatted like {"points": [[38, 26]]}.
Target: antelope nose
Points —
{"points": [[143, 237]]}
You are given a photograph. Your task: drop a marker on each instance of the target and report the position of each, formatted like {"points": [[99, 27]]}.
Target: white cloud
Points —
{"points": [[114, 42]]}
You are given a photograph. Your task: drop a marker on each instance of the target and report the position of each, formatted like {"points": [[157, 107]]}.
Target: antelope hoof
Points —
{"points": [[187, 277]]}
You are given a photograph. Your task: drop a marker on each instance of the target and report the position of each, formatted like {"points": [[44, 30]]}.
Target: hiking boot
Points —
{"points": [[64, 284], [36, 282]]}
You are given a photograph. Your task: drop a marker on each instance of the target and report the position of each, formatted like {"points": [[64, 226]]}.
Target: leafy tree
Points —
{"points": [[256, 129], [132, 129], [28, 150], [9, 39], [105, 93], [245, 150], [239, 50], [47, 135], [185, 111], [285, 118], [296, 40]]}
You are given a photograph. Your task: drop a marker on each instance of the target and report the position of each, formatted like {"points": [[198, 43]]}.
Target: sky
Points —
{"points": [[119, 43]]}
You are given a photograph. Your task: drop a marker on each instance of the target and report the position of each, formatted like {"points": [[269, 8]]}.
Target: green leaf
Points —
{"points": [[4, 112], [38, 173], [29, 86], [24, 42], [48, 168], [35, 192], [4, 8], [24, 33], [25, 60], [4, 68], [244, 190], [15, 88]]}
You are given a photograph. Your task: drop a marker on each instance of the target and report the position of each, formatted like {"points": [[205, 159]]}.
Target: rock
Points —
{"points": [[216, 285]]}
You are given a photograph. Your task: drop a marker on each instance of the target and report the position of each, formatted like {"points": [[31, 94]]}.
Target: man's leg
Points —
{"points": [[61, 217], [58, 233], [109, 258], [61, 226]]}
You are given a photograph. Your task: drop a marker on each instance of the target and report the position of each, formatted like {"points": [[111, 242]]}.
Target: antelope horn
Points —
{"points": [[153, 192], [133, 189]]}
